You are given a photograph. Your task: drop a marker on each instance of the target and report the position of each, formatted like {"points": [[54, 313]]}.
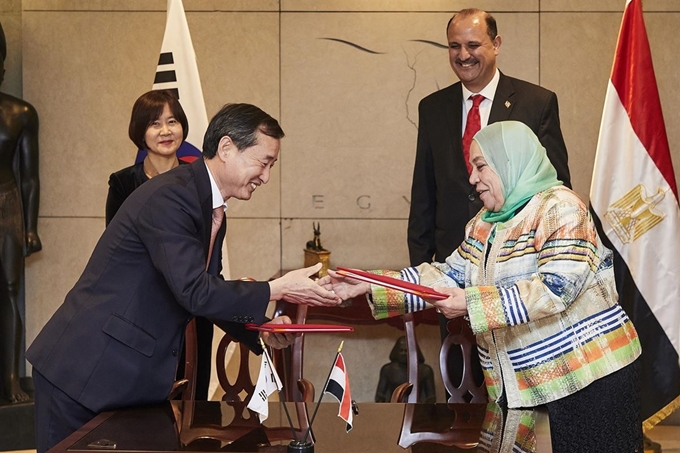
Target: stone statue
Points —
{"points": [[315, 244], [19, 198], [315, 253], [395, 373]]}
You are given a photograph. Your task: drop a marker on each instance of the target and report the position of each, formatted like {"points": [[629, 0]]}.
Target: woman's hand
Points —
{"points": [[278, 340], [453, 306], [297, 288], [342, 286]]}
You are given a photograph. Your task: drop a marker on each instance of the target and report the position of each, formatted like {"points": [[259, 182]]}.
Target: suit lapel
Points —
{"points": [[454, 118], [204, 191], [503, 101]]}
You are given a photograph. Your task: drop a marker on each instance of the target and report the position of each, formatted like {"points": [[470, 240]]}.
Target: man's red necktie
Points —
{"points": [[472, 126], [217, 218]]}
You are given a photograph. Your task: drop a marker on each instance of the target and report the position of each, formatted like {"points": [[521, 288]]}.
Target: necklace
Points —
{"points": [[150, 169]]}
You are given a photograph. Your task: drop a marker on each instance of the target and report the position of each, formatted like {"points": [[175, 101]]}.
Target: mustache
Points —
{"points": [[469, 60]]}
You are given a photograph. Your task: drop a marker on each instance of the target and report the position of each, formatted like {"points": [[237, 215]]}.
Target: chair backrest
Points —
{"points": [[459, 336], [408, 392], [289, 362], [237, 394], [185, 388], [467, 390], [464, 428]]}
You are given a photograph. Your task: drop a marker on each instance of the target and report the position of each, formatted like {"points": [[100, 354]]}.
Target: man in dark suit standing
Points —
{"points": [[115, 341], [442, 199]]}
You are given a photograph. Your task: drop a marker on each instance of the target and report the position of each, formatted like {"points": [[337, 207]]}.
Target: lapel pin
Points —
{"points": [[507, 104]]}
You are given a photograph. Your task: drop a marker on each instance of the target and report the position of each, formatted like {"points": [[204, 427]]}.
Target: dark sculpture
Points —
{"points": [[315, 244], [395, 373], [19, 199]]}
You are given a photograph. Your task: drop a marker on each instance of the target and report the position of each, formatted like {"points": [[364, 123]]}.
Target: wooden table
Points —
{"points": [[377, 428]]}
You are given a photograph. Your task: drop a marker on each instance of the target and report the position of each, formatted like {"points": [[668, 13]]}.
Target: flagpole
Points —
{"points": [[285, 408], [318, 403]]}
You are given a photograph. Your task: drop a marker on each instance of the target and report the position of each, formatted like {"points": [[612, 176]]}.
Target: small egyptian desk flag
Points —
{"points": [[338, 387]]}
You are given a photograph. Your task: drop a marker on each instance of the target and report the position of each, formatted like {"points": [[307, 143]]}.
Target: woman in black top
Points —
{"points": [[158, 125]]}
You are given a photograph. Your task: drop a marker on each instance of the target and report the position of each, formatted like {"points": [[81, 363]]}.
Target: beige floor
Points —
{"points": [[666, 435]]}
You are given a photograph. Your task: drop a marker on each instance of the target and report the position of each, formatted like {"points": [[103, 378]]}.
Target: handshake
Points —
{"points": [[297, 287]]}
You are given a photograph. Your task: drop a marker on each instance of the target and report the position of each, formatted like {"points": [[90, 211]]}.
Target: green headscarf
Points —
{"points": [[514, 153]]}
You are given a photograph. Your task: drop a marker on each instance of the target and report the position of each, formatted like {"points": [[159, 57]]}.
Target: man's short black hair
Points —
{"points": [[240, 122]]}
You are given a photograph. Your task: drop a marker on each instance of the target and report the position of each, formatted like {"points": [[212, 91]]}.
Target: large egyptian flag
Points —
{"points": [[177, 71], [634, 198]]}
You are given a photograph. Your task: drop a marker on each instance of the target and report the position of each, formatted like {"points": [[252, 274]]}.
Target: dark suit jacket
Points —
{"points": [[121, 184], [440, 207], [115, 340]]}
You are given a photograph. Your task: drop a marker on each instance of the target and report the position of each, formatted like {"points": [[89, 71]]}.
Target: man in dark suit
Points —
{"points": [[116, 339], [442, 198]]}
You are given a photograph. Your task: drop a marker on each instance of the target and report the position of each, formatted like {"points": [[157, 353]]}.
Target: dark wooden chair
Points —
{"points": [[238, 395], [463, 431], [408, 391], [451, 425], [185, 388], [467, 391], [459, 336]]}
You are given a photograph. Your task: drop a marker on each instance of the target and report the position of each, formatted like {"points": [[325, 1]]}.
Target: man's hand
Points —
{"points": [[344, 287], [278, 340], [296, 287]]}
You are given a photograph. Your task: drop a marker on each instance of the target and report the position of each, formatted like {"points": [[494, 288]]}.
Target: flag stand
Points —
{"points": [[304, 446], [318, 403], [300, 446], [295, 446]]}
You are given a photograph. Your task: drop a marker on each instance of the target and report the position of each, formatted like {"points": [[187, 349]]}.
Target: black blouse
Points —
{"points": [[121, 184]]}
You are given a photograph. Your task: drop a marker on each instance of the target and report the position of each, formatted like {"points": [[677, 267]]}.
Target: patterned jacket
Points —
{"points": [[540, 296]]}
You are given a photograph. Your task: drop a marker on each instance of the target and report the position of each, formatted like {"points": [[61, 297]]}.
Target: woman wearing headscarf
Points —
{"points": [[537, 286]]}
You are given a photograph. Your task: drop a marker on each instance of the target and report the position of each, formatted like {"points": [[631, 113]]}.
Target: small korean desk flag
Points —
{"points": [[338, 387], [267, 382]]}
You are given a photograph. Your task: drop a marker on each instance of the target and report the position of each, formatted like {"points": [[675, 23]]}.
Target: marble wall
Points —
{"points": [[344, 77]]}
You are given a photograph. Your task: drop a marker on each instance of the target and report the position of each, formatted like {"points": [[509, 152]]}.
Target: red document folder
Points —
{"points": [[394, 283], [299, 328]]}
